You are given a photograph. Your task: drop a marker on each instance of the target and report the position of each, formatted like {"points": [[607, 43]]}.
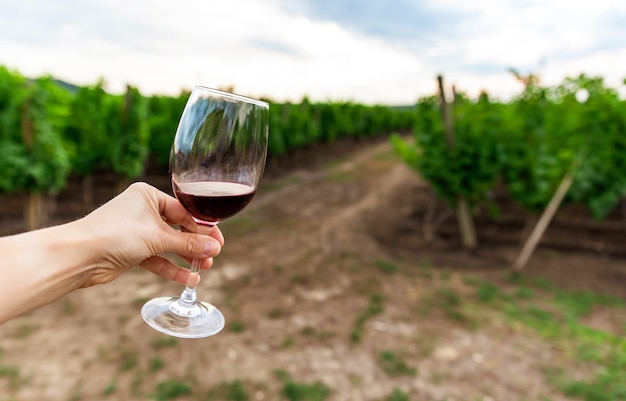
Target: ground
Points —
{"points": [[325, 278]]}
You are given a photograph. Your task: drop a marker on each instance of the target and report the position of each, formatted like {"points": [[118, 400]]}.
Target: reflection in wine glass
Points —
{"points": [[216, 162]]}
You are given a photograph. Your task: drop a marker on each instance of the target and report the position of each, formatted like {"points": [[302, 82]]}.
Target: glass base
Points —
{"points": [[181, 319]]}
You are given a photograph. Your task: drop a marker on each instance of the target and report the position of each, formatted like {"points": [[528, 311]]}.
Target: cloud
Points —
{"points": [[254, 46], [274, 46], [400, 21], [483, 38], [375, 51]]}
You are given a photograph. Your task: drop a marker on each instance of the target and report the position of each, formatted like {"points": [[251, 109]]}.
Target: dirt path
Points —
{"points": [[303, 265]]}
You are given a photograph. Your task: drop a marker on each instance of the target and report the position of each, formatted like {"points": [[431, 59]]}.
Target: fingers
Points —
{"points": [[186, 242], [191, 245], [213, 231], [166, 269], [149, 206], [174, 213], [205, 264]]}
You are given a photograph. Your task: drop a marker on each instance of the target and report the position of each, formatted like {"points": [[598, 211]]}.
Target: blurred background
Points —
{"points": [[442, 217]]}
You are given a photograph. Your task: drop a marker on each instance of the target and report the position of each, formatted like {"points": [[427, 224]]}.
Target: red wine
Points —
{"points": [[213, 201]]}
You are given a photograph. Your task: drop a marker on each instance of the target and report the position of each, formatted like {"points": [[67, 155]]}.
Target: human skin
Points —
{"points": [[133, 229]]}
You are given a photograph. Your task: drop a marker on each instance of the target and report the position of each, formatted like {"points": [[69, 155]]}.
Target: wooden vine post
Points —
{"points": [[464, 217], [121, 181], [35, 212], [543, 222]]}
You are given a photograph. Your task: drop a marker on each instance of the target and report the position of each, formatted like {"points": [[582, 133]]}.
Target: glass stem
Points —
{"points": [[189, 293]]}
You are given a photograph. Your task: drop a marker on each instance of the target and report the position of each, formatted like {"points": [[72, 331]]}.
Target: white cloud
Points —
{"points": [[261, 50], [554, 39]]}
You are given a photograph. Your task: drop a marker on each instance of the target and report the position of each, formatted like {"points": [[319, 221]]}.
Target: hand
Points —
{"points": [[135, 227], [132, 229]]}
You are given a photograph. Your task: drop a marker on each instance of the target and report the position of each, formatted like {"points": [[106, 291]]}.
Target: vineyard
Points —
{"points": [[348, 277], [529, 144], [50, 132], [486, 158], [548, 149]]}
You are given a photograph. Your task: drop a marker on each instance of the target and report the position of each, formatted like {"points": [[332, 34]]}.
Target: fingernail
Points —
{"points": [[211, 247]]}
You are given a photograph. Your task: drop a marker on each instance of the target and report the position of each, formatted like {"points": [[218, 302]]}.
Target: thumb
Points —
{"points": [[192, 245]]}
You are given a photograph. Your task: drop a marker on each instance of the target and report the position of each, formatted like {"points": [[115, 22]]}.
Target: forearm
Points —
{"points": [[41, 266]]}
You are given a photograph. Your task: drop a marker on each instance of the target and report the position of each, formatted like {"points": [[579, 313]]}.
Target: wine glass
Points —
{"points": [[216, 162]]}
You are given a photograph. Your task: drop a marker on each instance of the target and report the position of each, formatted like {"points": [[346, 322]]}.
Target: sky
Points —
{"points": [[366, 51]]}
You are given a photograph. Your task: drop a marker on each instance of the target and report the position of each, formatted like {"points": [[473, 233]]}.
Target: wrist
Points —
{"points": [[73, 252], [41, 266]]}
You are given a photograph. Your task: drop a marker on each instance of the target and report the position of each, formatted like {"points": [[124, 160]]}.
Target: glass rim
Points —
{"points": [[231, 95]]}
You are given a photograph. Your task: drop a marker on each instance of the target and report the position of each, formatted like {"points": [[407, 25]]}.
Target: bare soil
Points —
{"points": [[300, 266]]}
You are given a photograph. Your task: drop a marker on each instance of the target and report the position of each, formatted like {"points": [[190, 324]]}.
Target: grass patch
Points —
{"points": [[69, 308], [12, 373], [164, 342], [536, 305], [524, 293], [229, 391], [452, 304], [374, 308], [597, 389], [129, 360], [171, 389], [276, 313], [288, 342], [386, 266], [9, 371], [308, 331], [581, 303], [140, 301], [111, 388], [136, 384], [237, 326], [488, 292], [157, 363], [607, 353], [25, 330], [323, 335], [295, 391], [445, 292], [397, 395], [557, 316], [425, 345], [394, 365], [298, 279]]}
